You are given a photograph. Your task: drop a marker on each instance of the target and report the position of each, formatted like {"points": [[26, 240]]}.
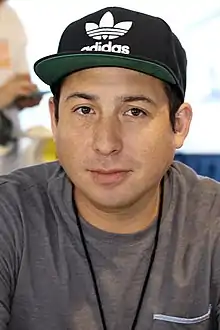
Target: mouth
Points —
{"points": [[109, 177]]}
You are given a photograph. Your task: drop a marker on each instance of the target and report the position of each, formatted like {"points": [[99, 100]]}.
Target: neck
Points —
{"points": [[135, 218]]}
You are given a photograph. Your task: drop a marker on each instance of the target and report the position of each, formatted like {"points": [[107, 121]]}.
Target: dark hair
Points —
{"points": [[174, 99], [172, 93], [56, 89]]}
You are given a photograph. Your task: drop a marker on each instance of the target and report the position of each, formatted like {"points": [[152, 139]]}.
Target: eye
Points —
{"points": [[84, 110], [135, 112]]}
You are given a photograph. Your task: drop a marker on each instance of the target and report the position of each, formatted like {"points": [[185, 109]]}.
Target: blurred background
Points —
{"points": [[197, 24]]}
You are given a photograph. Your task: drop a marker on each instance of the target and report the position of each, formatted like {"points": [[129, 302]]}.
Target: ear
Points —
{"points": [[182, 124], [53, 120]]}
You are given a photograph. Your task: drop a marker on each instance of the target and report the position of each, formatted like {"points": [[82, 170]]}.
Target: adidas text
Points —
{"points": [[99, 47]]}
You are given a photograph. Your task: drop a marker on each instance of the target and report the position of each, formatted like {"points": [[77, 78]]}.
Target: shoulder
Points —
{"points": [[24, 195], [23, 200], [201, 194], [34, 178], [198, 208], [194, 183]]}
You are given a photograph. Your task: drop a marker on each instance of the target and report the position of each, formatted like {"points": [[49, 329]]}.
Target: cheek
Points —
{"points": [[71, 143], [152, 145]]}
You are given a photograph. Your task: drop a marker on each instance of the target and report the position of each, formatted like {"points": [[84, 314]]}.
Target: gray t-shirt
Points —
{"points": [[45, 283]]}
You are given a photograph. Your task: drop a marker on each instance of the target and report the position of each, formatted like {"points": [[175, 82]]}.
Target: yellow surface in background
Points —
{"points": [[48, 151]]}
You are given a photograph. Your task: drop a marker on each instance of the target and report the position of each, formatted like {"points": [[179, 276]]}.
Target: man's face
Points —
{"points": [[114, 138]]}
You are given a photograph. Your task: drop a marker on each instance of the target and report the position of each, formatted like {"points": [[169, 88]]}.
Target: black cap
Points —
{"points": [[117, 37]]}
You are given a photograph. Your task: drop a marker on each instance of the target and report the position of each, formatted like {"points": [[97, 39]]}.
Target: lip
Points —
{"points": [[109, 177]]}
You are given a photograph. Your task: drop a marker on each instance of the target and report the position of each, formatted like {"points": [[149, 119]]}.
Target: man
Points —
{"points": [[16, 89], [114, 235]]}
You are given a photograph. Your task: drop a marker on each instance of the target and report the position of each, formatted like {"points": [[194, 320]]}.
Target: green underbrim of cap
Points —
{"points": [[52, 68]]}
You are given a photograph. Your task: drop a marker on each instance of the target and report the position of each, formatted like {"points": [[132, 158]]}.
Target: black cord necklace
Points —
{"points": [[101, 311]]}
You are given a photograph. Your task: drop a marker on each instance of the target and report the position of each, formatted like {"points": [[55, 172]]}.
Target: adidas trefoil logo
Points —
{"points": [[107, 30]]}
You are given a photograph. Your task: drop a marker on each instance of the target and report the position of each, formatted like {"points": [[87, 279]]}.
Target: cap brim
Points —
{"points": [[52, 68]]}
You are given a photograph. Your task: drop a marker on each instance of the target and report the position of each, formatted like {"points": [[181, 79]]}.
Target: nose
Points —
{"points": [[107, 136]]}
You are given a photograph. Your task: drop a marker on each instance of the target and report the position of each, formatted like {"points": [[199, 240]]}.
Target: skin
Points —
{"points": [[19, 85], [115, 119]]}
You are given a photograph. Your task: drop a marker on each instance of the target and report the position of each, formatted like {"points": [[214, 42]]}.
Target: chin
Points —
{"points": [[108, 195], [111, 201]]}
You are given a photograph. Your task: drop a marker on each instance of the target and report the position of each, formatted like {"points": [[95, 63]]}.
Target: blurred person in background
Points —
{"points": [[17, 91], [18, 85]]}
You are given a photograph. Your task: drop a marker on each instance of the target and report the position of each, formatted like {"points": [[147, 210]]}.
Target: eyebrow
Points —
{"points": [[79, 95], [136, 98], [126, 99]]}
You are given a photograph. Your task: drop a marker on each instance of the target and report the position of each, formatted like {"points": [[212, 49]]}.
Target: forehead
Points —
{"points": [[114, 78]]}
